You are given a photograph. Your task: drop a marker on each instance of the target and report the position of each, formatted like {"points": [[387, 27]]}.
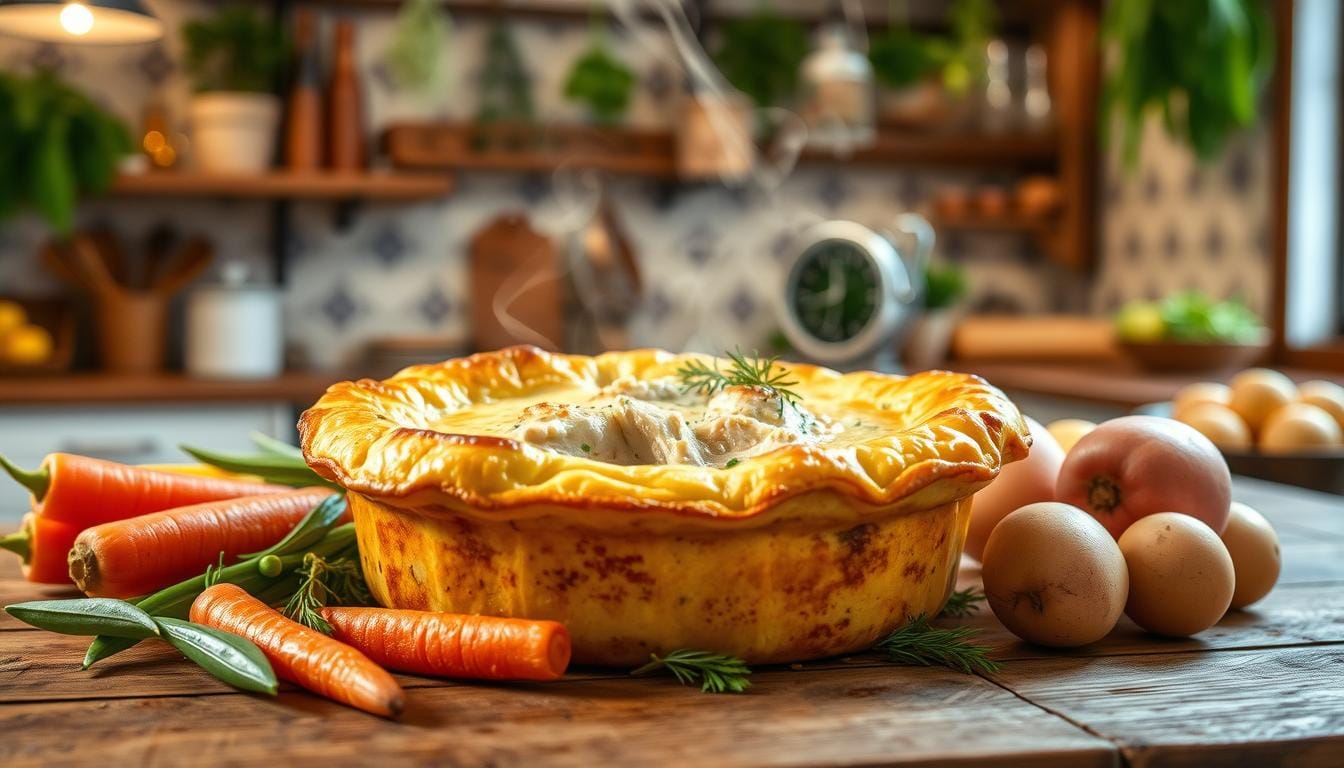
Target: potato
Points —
{"points": [[1254, 548], [1181, 577], [1054, 576]]}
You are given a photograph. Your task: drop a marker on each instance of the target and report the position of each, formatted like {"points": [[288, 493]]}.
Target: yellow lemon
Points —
{"points": [[26, 345], [12, 316]]}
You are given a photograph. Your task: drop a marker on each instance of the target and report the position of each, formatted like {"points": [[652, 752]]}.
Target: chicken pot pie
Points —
{"points": [[650, 506]]}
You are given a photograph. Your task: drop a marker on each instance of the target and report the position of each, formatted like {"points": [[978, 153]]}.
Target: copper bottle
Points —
{"points": [[303, 114], [345, 114]]}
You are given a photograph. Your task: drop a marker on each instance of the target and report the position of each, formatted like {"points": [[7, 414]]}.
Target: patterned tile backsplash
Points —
{"points": [[712, 257]]}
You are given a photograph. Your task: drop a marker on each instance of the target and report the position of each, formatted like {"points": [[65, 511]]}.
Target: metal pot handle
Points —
{"points": [[921, 230]]}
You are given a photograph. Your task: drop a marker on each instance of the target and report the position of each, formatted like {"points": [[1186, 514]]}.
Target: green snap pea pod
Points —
{"points": [[271, 467], [232, 659]]}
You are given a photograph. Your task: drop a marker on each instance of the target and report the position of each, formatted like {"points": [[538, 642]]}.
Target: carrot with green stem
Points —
{"points": [[42, 544], [454, 645], [79, 492], [299, 654], [137, 556]]}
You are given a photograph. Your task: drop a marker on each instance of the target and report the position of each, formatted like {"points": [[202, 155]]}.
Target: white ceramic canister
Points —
{"points": [[235, 330]]}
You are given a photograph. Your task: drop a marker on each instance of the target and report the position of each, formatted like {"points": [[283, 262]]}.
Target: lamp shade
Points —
{"points": [[108, 22]]}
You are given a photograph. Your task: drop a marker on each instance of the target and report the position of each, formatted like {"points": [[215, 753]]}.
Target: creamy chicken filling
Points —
{"points": [[654, 422]]}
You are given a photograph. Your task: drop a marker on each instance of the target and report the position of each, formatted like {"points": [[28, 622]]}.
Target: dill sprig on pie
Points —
{"points": [[743, 371]]}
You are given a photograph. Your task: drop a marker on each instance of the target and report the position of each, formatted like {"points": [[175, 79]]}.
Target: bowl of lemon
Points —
{"points": [[1191, 332]]}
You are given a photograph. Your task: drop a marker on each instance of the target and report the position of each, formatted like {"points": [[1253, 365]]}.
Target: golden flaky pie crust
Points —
{"points": [[951, 433]]}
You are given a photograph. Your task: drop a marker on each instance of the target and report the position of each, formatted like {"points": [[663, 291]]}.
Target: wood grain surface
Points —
{"points": [[1265, 686]]}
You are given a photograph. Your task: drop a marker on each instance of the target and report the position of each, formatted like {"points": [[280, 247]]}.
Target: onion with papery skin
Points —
{"points": [[1018, 484], [1135, 466]]}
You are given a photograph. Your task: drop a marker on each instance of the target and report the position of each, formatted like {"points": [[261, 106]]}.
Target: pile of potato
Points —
{"points": [[1265, 410]]}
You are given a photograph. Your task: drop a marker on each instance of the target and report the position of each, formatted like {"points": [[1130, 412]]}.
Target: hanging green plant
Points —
{"points": [[417, 44], [760, 55], [55, 145], [1201, 64], [600, 82]]}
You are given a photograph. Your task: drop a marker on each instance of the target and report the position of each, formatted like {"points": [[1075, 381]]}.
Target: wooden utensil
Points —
{"points": [[192, 259]]}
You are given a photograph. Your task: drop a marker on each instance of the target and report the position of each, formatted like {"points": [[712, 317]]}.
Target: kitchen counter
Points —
{"points": [[1117, 385], [1262, 687], [298, 388]]}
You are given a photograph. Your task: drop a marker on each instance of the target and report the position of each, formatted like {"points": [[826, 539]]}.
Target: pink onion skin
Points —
{"points": [[1024, 482], [1135, 466]]}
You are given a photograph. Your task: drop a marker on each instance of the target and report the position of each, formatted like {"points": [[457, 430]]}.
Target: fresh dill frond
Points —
{"points": [[917, 643], [714, 672], [963, 603], [335, 582], [697, 376]]}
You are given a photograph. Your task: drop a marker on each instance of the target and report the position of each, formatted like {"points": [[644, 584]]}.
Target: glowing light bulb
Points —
{"points": [[77, 19]]}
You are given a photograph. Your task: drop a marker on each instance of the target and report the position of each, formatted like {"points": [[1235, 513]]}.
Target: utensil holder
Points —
{"points": [[132, 329]]}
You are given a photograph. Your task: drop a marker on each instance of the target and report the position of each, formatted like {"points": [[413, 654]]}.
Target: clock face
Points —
{"points": [[836, 290]]}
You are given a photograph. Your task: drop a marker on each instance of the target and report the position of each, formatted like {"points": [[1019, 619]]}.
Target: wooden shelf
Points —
{"points": [[281, 185], [653, 152], [299, 388], [531, 148], [1012, 222], [1014, 15], [953, 150]]}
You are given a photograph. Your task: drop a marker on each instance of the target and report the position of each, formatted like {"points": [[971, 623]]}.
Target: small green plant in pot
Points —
{"points": [[923, 76], [944, 288], [234, 58], [601, 83], [760, 55], [55, 144]]}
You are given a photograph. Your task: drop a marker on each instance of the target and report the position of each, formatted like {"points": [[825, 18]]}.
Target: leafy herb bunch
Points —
{"points": [[1200, 64], [236, 49]]}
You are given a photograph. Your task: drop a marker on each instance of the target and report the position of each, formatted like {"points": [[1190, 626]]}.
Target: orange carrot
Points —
{"points": [[42, 544], [87, 491], [301, 655], [146, 553], [77, 492], [454, 645]]}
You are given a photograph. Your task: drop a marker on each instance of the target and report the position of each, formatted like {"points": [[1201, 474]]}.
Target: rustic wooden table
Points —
{"points": [[1265, 686]]}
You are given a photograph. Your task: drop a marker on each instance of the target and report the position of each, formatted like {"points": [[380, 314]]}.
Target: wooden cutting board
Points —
{"points": [[516, 289], [1056, 338]]}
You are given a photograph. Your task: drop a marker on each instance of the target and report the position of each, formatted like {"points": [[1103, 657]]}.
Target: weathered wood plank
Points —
{"points": [[1290, 615], [846, 717], [17, 591], [1293, 509], [1280, 706]]}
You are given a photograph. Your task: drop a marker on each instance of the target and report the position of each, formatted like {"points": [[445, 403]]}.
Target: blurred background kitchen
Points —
{"points": [[210, 211]]}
